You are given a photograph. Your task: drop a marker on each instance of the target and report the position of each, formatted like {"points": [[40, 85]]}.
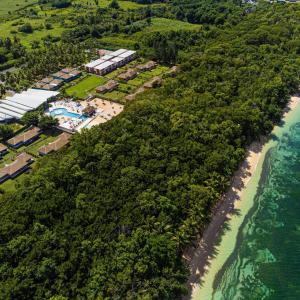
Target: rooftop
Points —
{"points": [[21, 161], [127, 53], [2, 147], [95, 63], [24, 137], [62, 140], [104, 65], [118, 52]]}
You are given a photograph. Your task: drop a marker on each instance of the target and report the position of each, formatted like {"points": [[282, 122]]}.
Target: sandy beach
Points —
{"points": [[218, 240]]}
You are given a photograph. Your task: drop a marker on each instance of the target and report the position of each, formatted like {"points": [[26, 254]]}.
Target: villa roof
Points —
{"points": [[102, 52], [39, 85], [128, 74], [47, 80], [75, 72], [58, 74], [130, 97], [47, 87], [22, 160], [62, 140], [24, 137], [147, 66], [67, 70], [2, 147], [56, 82], [108, 86], [155, 81]]}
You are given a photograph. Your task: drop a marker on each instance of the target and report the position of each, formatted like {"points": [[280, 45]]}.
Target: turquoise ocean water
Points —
{"points": [[266, 261]]}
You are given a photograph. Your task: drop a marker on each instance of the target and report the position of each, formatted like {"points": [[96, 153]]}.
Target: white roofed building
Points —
{"points": [[119, 61], [118, 52], [109, 62], [90, 66], [105, 68], [128, 55], [14, 107]]}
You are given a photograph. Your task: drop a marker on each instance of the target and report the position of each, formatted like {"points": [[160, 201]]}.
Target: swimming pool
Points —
{"points": [[66, 113]]}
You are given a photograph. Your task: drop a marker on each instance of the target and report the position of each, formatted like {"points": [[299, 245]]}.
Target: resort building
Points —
{"points": [[90, 67], [148, 66], [62, 141], [109, 86], [130, 97], [47, 80], [110, 61], [39, 85], [56, 83], [104, 68], [63, 76], [119, 61], [17, 167], [102, 52], [14, 107], [128, 56], [154, 82], [3, 150], [67, 74], [129, 74], [47, 87], [25, 138], [107, 57], [118, 52]]}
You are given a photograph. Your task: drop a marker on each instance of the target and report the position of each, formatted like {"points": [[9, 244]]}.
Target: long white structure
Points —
{"points": [[109, 62], [16, 106]]}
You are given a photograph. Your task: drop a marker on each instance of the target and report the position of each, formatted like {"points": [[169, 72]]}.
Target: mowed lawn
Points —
{"points": [[85, 87]]}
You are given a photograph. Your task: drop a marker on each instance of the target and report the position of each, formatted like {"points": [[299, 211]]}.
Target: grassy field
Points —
{"points": [[157, 25], [138, 81], [85, 87], [104, 3], [10, 185], [7, 6], [46, 14], [115, 95]]}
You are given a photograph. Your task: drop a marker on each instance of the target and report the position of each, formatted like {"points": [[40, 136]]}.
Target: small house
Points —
{"points": [[17, 167], [25, 138], [128, 75], [58, 144], [150, 65], [3, 150]]}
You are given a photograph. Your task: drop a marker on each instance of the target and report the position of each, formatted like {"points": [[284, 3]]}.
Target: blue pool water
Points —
{"points": [[66, 113]]}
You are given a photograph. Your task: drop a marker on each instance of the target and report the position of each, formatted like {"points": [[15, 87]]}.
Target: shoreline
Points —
{"points": [[219, 238]]}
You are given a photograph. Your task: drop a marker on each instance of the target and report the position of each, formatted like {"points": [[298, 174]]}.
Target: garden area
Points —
{"points": [[85, 87], [45, 138]]}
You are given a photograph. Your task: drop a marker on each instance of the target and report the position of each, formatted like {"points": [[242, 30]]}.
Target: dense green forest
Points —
{"points": [[110, 217]]}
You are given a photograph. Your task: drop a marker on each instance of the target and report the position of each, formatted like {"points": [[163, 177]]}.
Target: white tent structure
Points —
{"points": [[16, 106]]}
